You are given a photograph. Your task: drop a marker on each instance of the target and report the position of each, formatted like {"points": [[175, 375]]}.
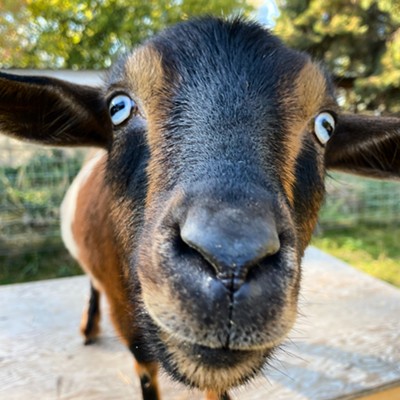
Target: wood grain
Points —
{"points": [[345, 342]]}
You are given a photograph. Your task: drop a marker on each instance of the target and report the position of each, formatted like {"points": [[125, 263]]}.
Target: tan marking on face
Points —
{"points": [[152, 85], [145, 75], [301, 104]]}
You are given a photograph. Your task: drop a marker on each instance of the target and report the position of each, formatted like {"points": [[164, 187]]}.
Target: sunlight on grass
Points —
{"points": [[372, 249]]}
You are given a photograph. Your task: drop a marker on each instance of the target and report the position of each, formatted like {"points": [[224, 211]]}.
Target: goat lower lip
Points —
{"points": [[217, 358], [208, 368], [220, 357]]}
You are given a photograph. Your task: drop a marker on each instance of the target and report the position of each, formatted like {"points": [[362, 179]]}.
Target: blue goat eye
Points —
{"points": [[324, 126], [121, 108]]}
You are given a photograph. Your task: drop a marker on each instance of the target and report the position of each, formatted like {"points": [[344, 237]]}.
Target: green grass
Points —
{"points": [[36, 264], [373, 249]]}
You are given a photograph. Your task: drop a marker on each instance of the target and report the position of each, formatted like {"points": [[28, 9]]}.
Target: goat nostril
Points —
{"points": [[272, 245], [230, 247], [194, 248]]}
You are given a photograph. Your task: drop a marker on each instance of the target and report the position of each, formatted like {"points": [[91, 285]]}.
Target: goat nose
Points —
{"points": [[231, 240]]}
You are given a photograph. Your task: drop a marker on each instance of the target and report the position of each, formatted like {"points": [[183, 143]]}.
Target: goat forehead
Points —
{"points": [[233, 58], [209, 59], [144, 74]]}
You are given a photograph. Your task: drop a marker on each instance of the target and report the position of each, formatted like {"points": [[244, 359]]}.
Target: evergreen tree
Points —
{"points": [[359, 41]]}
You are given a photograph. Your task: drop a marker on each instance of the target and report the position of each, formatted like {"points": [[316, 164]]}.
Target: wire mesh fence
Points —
{"points": [[34, 180], [351, 200]]}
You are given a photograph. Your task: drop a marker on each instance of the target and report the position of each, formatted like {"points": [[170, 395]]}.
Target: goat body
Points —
{"points": [[194, 216]]}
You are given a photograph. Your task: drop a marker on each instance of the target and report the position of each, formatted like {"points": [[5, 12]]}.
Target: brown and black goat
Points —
{"points": [[194, 217]]}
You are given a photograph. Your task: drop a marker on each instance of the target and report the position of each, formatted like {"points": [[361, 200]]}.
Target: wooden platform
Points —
{"points": [[346, 344]]}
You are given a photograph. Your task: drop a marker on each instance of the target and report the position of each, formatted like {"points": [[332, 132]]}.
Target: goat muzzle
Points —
{"points": [[221, 275]]}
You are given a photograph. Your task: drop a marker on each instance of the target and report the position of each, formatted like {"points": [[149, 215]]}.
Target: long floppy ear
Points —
{"points": [[364, 145], [53, 112]]}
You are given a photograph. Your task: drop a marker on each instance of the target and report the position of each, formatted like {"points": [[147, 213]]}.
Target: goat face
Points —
{"points": [[226, 113], [216, 163]]}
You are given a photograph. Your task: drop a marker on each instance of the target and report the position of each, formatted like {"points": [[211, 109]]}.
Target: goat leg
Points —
{"points": [[90, 327], [148, 380], [147, 369], [215, 396]]}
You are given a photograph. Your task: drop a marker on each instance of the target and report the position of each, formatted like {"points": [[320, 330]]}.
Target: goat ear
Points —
{"points": [[364, 145], [53, 112]]}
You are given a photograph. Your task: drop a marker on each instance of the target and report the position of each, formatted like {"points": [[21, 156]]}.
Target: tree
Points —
{"points": [[13, 17], [91, 33], [359, 41]]}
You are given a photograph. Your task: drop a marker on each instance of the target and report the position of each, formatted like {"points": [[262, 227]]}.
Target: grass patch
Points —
{"points": [[373, 249], [41, 260]]}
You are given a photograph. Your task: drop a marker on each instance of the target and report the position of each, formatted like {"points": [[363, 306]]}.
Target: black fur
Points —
{"points": [[93, 312]]}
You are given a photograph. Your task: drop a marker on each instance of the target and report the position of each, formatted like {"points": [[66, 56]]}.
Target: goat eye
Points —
{"points": [[324, 125], [120, 108]]}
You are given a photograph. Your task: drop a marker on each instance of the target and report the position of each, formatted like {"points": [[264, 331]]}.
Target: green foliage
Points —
{"points": [[358, 40], [13, 19], [91, 33]]}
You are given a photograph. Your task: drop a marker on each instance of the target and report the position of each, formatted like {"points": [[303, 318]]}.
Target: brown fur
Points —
{"points": [[148, 371], [302, 104], [146, 77], [152, 85], [216, 396], [92, 229], [90, 335]]}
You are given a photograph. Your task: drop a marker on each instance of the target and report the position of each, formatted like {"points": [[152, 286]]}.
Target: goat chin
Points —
{"points": [[210, 369]]}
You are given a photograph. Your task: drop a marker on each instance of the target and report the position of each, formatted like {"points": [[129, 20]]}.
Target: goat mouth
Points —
{"points": [[200, 310], [205, 368]]}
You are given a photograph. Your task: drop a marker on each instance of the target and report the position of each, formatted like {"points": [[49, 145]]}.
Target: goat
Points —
{"points": [[193, 218]]}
